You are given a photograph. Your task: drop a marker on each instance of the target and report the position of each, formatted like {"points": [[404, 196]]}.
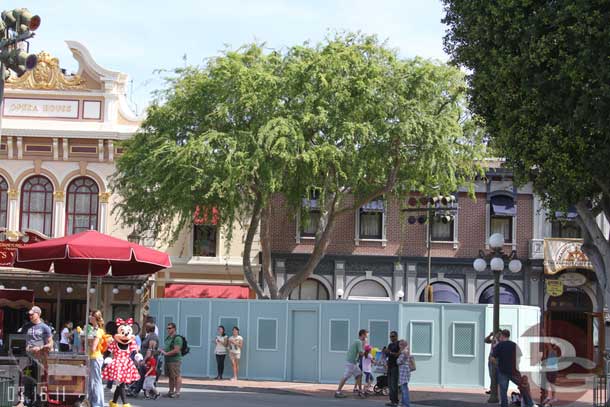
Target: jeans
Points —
{"points": [[96, 387], [393, 384], [404, 391], [503, 380], [220, 363]]}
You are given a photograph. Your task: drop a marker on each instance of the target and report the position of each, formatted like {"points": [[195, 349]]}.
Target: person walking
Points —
{"points": [[96, 387], [172, 353], [405, 364], [65, 336], [236, 344], [354, 352], [221, 341], [150, 347], [38, 343], [150, 363], [551, 367], [491, 339], [505, 355], [392, 351]]}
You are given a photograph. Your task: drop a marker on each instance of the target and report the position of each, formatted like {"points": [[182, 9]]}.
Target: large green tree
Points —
{"points": [[346, 119], [540, 78]]}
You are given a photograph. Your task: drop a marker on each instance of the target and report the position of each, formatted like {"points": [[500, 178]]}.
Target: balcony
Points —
{"points": [[536, 249]]}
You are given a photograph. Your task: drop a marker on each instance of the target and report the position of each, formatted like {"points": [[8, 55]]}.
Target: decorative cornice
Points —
{"points": [[105, 197], [59, 196], [46, 75]]}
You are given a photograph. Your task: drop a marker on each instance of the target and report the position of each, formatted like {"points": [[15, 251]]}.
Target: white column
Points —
{"points": [[20, 148], [412, 282], [66, 149], [9, 147], [103, 216], [339, 279], [100, 149], [398, 282], [59, 220], [13, 210], [55, 149], [470, 283], [110, 150]]}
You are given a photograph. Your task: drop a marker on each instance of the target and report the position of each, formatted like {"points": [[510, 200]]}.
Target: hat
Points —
{"points": [[367, 348], [35, 310]]}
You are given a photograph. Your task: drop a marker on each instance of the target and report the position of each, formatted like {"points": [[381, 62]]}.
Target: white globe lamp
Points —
{"points": [[138, 291], [46, 289], [497, 264], [401, 294], [69, 290], [92, 290], [115, 291], [496, 241], [514, 265], [1, 287], [479, 265], [24, 287], [340, 293]]}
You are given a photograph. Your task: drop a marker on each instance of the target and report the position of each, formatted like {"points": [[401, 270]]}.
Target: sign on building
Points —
{"points": [[554, 287], [562, 254], [11, 240]]}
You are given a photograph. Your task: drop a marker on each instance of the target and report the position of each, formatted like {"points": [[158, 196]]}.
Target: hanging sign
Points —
{"points": [[573, 279], [11, 240], [562, 254], [554, 287]]}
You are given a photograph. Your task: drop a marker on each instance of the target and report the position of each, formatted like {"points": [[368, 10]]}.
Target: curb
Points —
{"points": [[262, 390]]}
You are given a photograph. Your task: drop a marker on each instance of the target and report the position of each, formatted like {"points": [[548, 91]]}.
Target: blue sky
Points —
{"points": [[138, 37]]}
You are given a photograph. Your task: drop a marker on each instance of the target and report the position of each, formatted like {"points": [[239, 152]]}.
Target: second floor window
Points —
{"points": [[82, 206], [502, 214], [3, 203], [441, 232], [371, 220], [204, 240], [37, 204], [567, 229], [309, 224]]}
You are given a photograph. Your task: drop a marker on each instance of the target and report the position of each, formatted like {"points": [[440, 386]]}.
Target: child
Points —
{"points": [[406, 364], [150, 392], [367, 362]]}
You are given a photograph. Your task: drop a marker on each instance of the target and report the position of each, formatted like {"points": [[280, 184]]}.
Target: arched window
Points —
{"points": [[37, 204], [443, 293], [507, 295], [368, 290], [81, 209], [3, 203], [310, 290]]}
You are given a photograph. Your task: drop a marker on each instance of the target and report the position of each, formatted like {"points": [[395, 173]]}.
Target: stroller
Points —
{"points": [[381, 381]]}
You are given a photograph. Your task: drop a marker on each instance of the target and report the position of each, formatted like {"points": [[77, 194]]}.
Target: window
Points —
{"points": [[378, 333], [368, 289], [371, 220], [421, 338], [464, 335], [441, 232], [310, 290], [3, 203], [502, 211], [37, 204], [229, 323], [339, 335], [567, 229], [204, 240], [193, 331], [443, 293], [309, 226], [82, 206], [507, 295], [267, 334]]}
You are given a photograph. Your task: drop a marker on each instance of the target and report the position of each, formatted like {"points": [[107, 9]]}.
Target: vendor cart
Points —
{"points": [[66, 378]]}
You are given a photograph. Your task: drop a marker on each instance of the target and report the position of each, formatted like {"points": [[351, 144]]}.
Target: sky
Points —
{"points": [[139, 37]]}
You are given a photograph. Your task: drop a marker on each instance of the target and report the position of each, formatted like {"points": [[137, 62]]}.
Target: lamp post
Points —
{"points": [[496, 258]]}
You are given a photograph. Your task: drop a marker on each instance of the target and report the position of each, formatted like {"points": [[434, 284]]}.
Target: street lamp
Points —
{"points": [[496, 258]]}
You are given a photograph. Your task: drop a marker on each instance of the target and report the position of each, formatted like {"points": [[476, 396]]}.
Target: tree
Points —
{"points": [[347, 120], [540, 78]]}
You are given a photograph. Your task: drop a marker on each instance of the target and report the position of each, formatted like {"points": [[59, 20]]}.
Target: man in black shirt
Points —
{"points": [[393, 352], [505, 356]]}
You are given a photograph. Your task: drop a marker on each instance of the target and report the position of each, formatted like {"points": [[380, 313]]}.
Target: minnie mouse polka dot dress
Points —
{"points": [[122, 368]]}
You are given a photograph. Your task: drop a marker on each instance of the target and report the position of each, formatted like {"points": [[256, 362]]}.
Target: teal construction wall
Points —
{"points": [[306, 340]]}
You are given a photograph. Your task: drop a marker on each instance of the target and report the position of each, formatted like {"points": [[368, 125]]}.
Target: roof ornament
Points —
{"points": [[47, 75]]}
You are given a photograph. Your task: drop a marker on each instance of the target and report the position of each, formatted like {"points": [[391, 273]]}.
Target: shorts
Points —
{"points": [[351, 369], [235, 356], [368, 377], [172, 369], [149, 383]]}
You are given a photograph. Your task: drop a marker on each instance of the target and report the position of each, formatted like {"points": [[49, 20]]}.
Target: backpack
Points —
{"points": [[184, 350], [103, 346]]}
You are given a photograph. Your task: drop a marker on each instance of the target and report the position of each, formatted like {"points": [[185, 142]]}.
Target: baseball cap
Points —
{"points": [[367, 348], [35, 310]]}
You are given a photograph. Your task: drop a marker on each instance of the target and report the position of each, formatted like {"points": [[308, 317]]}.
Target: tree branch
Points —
{"points": [[595, 245], [265, 239], [247, 262]]}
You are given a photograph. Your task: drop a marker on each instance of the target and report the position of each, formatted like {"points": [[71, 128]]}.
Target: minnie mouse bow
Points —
{"points": [[121, 321]]}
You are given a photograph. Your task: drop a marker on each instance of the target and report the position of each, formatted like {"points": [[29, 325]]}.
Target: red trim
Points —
{"points": [[206, 291], [92, 191], [48, 215]]}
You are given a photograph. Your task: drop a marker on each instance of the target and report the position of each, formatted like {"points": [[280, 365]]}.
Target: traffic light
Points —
{"points": [[18, 61], [19, 20]]}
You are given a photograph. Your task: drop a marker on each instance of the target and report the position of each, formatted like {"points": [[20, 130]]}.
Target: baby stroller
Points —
{"points": [[381, 381]]}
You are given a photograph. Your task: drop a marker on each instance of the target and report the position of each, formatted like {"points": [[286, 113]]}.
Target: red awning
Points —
{"points": [[206, 291]]}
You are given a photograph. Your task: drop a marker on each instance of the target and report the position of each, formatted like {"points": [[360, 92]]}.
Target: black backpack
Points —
{"points": [[184, 350]]}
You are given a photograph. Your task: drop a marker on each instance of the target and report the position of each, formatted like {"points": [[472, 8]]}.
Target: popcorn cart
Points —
{"points": [[66, 378]]}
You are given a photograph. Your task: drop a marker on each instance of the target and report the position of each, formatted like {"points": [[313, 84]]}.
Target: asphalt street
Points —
{"points": [[215, 398]]}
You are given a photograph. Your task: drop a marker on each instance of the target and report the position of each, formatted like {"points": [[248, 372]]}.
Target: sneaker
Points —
{"points": [[174, 396], [156, 396], [339, 395], [391, 404], [168, 394]]}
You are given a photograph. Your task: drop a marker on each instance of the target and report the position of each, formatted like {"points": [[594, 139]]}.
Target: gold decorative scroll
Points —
{"points": [[46, 75], [563, 254]]}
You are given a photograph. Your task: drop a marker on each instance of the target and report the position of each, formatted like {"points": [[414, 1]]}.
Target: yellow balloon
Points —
{"points": [[374, 352]]}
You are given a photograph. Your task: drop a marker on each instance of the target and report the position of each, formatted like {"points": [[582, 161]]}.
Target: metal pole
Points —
{"points": [[493, 395], [87, 333], [429, 296]]}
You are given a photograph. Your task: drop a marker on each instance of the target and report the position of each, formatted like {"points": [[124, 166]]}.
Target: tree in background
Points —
{"points": [[540, 78], [347, 121]]}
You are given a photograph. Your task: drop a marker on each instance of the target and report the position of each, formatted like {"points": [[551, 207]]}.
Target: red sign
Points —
{"points": [[10, 241]]}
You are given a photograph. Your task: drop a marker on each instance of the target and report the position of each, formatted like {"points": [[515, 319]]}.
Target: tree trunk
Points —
{"points": [[265, 238], [247, 262], [325, 228]]}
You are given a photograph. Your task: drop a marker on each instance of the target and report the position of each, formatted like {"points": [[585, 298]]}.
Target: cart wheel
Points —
{"points": [[376, 389], [386, 391], [81, 402]]}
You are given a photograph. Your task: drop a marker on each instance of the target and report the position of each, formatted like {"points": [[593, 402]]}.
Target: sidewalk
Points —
{"points": [[420, 396]]}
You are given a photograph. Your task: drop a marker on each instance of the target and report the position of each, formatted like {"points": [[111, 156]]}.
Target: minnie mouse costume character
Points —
{"points": [[122, 369]]}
